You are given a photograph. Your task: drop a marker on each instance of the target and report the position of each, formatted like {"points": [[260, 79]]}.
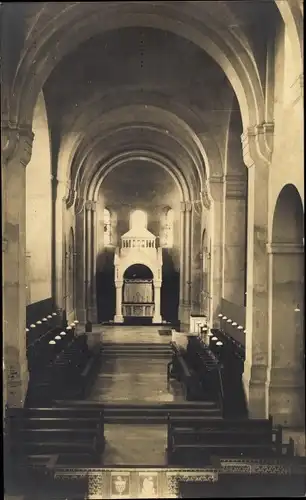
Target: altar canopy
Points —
{"points": [[138, 291]]}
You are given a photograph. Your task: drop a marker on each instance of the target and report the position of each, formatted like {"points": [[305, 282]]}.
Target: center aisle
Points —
{"points": [[134, 374]]}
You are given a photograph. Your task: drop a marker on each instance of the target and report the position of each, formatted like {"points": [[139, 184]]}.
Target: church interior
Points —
{"points": [[152, 167]]}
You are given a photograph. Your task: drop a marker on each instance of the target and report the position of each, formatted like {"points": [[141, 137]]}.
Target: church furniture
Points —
{"points": [[184, 373], [61, 369], [222, 437], [226, 380]]}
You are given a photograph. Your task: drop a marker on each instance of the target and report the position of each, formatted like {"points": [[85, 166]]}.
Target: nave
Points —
{"points": [[152, 178]]}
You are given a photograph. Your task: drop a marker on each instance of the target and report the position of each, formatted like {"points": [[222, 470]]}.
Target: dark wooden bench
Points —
{"points": [[73, 421], [218, 432], [179, 369], [88, 446], [200, 454]]}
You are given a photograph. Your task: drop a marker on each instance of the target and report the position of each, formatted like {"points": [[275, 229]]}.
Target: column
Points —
{"points": [[217, 193], [256, 156], [93, 294], [80, 260], [182, 257], [157, 319], [188, 254], [206, 253], [196, 262], [60, 237], [234, 243], [118, 317], [88, 261], [16, 154], [28, 278], [286, 333]]}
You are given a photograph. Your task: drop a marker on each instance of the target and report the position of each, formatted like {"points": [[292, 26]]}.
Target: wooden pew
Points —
{"points": [[180, 370], [197, 441], [43, 431]]}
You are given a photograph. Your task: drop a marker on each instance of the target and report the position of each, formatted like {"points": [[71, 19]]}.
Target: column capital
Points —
{"points": [[216, 185], [257, 144], [183, 206], [16, 142], [188, 206], [88, 204], [118, 284], [235, 186]]}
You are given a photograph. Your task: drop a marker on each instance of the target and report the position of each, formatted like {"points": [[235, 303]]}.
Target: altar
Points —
{"points": [[138, 277]]}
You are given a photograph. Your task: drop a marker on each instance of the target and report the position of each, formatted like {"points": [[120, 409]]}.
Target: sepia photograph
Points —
{"points": [[152, 173]]}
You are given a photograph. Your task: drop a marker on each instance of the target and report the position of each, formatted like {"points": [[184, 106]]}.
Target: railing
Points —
{"points": [[146, 243]]}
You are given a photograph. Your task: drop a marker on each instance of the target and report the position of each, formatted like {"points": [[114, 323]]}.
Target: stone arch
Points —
{"points": [[133, 259], [145, 156], [83, 163], [287, 303], [241, 71], [38, 206], [140, 270], [292, 15]]}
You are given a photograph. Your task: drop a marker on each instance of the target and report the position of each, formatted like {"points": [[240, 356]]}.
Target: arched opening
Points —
{"points": [[287, 329], [167, 232], [107, 227], [138, 295]]}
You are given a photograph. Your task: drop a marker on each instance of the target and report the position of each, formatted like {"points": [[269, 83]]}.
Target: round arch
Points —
{"points": [[56, 42], [287, 308], [138, 271], [147, 157]]}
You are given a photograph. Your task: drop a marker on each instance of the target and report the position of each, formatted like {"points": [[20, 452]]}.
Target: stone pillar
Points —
{"points": [[16, 153], [286, 364], [216, 189], [234, 244], [80, 260], [88, 261], [157, 316], [93, 294], [118, 317], [188, 254], [182, 257], [256, 145], [185, 265], [28, 278], [206, 299], [60, 258], [196, 262]]}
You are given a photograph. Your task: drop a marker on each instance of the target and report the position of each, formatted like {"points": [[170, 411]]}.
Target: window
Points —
{"points": [[167, 237], [107, 227], [138, 219]]}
